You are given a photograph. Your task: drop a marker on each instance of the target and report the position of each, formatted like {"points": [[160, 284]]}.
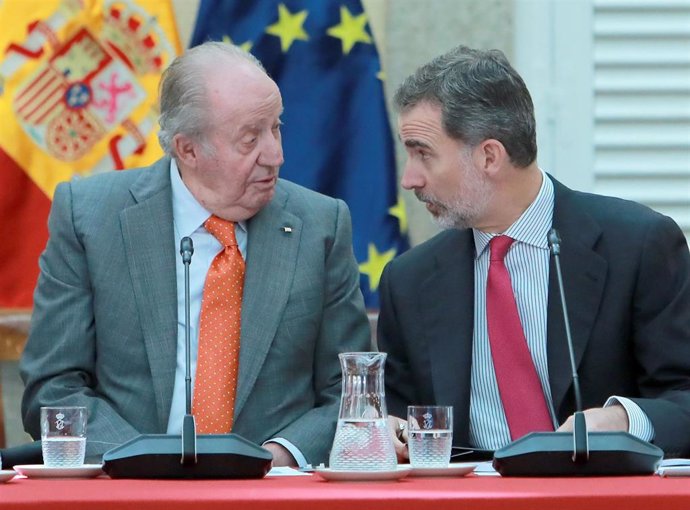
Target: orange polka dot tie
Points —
{"points": [[215, 384]]}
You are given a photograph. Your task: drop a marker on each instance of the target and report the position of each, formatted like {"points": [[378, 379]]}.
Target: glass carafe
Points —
{"points": [[362, 440]]}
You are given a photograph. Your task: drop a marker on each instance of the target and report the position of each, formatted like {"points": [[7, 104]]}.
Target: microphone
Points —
{"points": [[186, 250], [188, 456], [580, 453]]}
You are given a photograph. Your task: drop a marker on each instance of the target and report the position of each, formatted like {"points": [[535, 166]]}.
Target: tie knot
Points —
{"points": [[499, 246], [223, 230]]}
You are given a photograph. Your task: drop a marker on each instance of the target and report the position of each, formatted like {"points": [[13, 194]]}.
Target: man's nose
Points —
{"points": [[411, 177], [272, 153]]}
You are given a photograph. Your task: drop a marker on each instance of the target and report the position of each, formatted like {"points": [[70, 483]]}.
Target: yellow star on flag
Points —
{"points": [[351, 30], [289, 27], [246, 46], [398, 210], [373, 267], [381, 75]]}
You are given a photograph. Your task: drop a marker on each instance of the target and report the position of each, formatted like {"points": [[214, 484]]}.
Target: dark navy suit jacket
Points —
{"points": [[626, 271]]}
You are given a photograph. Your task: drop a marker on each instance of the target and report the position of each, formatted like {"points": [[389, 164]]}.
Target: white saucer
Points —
{"points": [[41, 471], [7, 474], [361, 476], [454, 469]]}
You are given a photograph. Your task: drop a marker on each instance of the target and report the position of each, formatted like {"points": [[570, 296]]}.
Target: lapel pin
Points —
{"points": [[287, 230]]}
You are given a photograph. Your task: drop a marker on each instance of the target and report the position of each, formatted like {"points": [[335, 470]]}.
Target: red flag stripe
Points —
{"points": [[24, 211]]}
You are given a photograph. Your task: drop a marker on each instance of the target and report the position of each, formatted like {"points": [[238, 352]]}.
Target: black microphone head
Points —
{"points": [[186, 249], [554, 242]]}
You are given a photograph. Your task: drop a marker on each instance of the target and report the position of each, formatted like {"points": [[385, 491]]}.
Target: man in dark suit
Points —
{"points": [[467, 123], [108, 324]]}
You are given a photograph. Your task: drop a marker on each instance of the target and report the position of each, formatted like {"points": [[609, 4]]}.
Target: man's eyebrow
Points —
{"points": [[413, 144], [249, 128]]}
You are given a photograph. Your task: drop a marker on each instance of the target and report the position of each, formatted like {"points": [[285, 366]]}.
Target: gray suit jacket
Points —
{"points": [[104, 327], [626, 272]]}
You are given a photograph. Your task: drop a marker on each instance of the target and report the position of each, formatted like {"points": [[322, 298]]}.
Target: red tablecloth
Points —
{"points": [[304, 493]]}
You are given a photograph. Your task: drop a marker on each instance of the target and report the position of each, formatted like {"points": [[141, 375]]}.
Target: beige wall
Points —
{"points": [[409, 33]]}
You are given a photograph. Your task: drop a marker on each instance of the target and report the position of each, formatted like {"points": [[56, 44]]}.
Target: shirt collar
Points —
{"points": [[188, 214], [532, 227]]}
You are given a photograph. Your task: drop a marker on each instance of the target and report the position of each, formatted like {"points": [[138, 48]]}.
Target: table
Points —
{"points": [[307, 493]]}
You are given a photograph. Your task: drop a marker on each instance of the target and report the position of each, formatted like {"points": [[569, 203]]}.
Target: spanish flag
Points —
{"points": [[78, 93]]}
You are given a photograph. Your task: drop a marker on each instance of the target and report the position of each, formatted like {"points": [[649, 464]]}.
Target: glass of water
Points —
{"points": [[430, 435], [63, 436]]}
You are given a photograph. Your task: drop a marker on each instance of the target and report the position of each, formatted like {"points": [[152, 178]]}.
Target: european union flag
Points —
{"points": [[336, 135]]}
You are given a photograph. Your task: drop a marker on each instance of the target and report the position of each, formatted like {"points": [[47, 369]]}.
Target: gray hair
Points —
{"points": [[182, 91], [481, 97]]}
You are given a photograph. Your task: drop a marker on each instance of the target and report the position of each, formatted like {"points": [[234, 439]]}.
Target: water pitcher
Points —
{"points": [[362, 441]]}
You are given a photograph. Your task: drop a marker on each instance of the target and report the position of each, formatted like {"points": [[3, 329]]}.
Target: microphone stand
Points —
{"points": [[580, 436], [188, 424]]}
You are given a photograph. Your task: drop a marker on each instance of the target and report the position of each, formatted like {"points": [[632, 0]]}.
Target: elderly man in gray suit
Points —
{"points": [[108, 324]]}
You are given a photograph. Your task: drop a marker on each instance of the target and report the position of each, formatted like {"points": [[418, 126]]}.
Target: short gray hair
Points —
{"points": [[481, 96], [182, 92]]}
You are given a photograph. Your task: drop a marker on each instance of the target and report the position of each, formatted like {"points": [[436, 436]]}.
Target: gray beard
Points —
{"points": [[457, 215]]}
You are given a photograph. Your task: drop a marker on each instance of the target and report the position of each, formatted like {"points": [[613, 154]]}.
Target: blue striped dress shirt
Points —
{"points": [[528, 265]]}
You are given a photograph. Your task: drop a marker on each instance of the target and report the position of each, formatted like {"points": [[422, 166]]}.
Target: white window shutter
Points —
{"points": [[642, 103]]}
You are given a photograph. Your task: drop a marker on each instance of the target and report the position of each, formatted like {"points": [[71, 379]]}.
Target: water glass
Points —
{"points": [[430, 435], [63, 436]]}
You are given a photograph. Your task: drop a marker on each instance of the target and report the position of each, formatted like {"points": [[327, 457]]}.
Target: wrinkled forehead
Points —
{"points": [[249, 108], [425, 116]]}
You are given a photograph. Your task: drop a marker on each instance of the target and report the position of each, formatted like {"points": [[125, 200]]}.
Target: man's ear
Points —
{"points": [[490, 156], [186, 150]]}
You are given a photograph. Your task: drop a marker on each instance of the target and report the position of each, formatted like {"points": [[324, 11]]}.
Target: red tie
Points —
{"points": [[215, 383], [518, 383]]}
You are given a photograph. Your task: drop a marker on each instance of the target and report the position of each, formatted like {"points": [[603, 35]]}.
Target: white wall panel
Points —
{"points": [[641, 88]]}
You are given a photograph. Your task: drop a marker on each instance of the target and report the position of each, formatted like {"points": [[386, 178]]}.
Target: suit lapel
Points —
{"points": [[147, 231], [270, 269], [449, 322], [584, 274]]}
